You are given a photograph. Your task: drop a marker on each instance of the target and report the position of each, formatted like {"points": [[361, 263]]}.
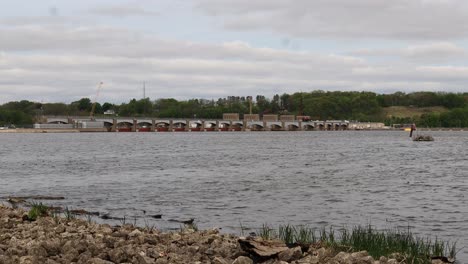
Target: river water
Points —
{"points": [[234, 179]]}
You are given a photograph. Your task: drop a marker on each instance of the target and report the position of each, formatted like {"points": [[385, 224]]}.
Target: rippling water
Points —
{"points": [[231, 179]]}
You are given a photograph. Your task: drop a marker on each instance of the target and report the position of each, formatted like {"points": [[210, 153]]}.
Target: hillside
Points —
{"points": [[408, 111]]}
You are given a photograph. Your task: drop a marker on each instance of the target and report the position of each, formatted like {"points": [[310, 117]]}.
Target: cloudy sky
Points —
{"points": [[59, 51]]}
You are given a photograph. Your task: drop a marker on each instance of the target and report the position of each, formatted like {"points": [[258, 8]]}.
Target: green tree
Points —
{"points": [[452, 100]]}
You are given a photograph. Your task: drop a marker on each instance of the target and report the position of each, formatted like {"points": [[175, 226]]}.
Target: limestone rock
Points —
{"points": [[53, 241], [98, 261], [242, 260], [135, 233], [118, 255], [290, 254], [219, 260]]}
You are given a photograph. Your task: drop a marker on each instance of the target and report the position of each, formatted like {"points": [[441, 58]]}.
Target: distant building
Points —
{"points": [[367, 126], [109, 112]]}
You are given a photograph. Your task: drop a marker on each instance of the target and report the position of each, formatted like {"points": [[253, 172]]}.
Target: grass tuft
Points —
{"points": [[266, 232], [69, 215], [37, 210]]}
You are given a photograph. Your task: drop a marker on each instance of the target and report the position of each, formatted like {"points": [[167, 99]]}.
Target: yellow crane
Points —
{"points": [[93, 107]]}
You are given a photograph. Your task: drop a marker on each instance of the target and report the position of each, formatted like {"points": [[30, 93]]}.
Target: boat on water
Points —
{"points": [[423, 138], [419, 137]]}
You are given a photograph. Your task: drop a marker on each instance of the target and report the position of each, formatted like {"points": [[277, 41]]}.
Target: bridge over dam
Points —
{"points": [[230, 122]]}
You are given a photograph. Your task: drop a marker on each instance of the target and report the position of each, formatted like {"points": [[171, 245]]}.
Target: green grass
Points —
{"points": [[68, 214], [266, 232], [37, 210], [377, 243], [188, 227]]}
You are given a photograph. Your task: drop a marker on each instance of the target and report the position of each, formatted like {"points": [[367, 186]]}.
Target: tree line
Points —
{"points": [[319, 105]]}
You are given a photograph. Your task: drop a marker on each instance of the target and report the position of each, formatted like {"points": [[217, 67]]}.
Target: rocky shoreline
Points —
{"points": [[54, 240]]}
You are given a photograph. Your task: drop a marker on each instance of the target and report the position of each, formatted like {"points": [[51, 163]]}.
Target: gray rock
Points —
{"points": [[98, 261], [383, 260], [359, 254], [105, 229], [26, 260], [242, 260], [142, 259], [37, 251], [135, 233], [219, 260], [308, 260], [15, 251], [59, 229], [290, 254], [51, 261], [162, 261], [84, 257], [366, 260], [71, 255], [52, 247], [118, 255]]}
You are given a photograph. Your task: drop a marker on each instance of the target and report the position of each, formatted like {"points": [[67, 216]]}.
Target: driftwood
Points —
{"points": [[262, 248], [37, 197]]}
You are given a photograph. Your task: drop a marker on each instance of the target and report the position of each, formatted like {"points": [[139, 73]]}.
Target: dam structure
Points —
{"points": [[229, 122]]}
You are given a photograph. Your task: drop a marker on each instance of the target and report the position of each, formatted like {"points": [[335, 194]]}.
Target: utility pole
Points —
{"points": [[93, 107], [144, 90]]}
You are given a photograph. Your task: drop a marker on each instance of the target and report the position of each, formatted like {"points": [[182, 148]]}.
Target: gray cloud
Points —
{"points": [[53, 62], [437, 52], [122, 11], [381, 19]]}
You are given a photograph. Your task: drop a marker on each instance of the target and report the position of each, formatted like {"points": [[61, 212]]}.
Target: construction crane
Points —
{"points": [[93, 107]]}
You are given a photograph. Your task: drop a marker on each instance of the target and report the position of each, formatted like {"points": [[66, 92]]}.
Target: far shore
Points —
{"points": [[88, 130]]}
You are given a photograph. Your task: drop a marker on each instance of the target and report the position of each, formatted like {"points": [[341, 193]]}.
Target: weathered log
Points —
{"points": [[262, 248]]}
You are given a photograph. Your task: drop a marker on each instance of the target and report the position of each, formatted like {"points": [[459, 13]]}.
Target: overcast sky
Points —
{"points": [[59, 51]]}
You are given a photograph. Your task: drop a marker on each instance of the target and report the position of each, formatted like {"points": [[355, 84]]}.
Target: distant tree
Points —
{"points": [[83, 106], [452, 100], [108, 106], [430, 120], [14, 117], [424, 99], [284, 101], [57, 109]]}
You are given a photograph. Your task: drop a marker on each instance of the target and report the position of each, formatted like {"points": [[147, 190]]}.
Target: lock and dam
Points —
{"points": [[230, 122]]}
